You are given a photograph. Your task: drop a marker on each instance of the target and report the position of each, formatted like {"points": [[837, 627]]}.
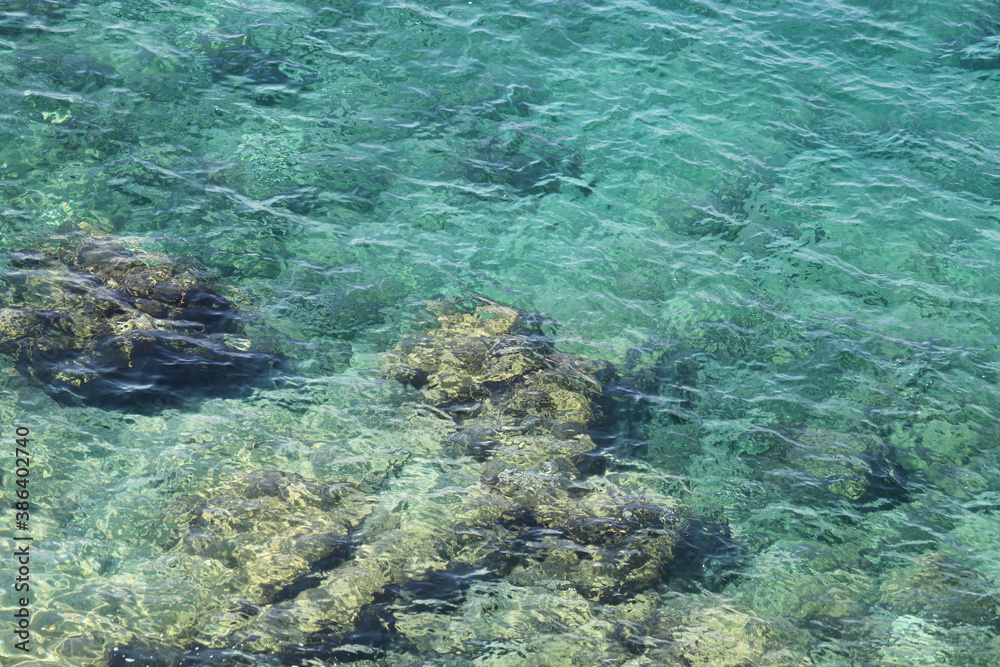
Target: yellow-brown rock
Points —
{"points": [[511, 394]]}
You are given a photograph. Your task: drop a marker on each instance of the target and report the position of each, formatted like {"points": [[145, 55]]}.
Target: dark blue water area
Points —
{"points": [[760, 238]]}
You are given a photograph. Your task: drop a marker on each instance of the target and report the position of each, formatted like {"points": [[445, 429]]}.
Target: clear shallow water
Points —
{"points": [[778, 220]]}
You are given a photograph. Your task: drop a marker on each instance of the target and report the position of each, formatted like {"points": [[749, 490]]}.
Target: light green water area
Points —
{"points": [[778, 222]]}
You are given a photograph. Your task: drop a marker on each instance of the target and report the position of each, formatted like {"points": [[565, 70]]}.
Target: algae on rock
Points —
{"points": [[858, 467], [520, 413], [99, 322], [239, 544], [509, 505], [512, 396]]}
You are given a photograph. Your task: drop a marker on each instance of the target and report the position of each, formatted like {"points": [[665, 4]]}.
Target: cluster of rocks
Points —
{"points": [[517, 417], [304, 569]]}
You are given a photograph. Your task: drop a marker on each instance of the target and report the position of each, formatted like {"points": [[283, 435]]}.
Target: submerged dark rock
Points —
{"points": [[707, 556], [103, 324], [269, 78], [250, 539], [526, 167]]}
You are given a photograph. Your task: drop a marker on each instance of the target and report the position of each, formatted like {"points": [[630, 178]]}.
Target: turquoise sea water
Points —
{"points": [[779, 221]]}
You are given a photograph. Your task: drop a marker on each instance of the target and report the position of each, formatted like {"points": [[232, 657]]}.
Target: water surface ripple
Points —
{"points": [[777, 221]]}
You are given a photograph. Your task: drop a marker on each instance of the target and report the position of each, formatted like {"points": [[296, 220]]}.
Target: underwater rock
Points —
{"points": [[707, 557], [526, 411], [659, 381], [601, 541], [267, 530], [99, 323], [914, 641], [319, 574], [962, 482], [858, 467], [947, 455], [503, 624], [713, 635], [271, 80], [270, 525], [808, 579], [525, 168], [519, 412], [710, 631], [249, 539], [724, 212], [937, 588], [512, 396], [973, 45]]}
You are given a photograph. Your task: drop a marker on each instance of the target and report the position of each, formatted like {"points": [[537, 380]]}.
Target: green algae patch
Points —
{"points": [[100, 321]]}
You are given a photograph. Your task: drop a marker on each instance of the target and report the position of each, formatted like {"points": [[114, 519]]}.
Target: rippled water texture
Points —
{"points": [[771, 227]]}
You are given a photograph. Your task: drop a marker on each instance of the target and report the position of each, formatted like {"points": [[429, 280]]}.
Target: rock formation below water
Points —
{"points": [[525, 166], [490, 493], [242, 543], [519, 413], [101, 322], [512, 396]]}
